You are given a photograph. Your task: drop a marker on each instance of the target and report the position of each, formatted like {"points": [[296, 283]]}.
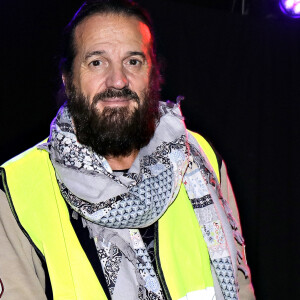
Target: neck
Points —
{"points": [[122, 162]]}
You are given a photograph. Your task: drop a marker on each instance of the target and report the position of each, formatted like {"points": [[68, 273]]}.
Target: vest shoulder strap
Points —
{"points": [[213, 157]]}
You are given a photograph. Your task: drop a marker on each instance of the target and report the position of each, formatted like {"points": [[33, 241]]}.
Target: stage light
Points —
{"points": [[297, 8], [290, 7]]}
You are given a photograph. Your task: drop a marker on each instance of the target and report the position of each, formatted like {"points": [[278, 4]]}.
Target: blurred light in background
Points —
{"points": [[290, 7]]}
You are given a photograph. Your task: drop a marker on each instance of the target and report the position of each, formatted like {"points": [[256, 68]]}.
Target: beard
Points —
{"points": [[115, 131]]}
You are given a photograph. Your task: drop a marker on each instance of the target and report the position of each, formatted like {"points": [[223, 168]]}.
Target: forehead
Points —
{"points": [[111, 29]]}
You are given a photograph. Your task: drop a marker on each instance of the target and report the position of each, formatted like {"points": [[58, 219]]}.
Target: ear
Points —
{"points": [[63, 78]]}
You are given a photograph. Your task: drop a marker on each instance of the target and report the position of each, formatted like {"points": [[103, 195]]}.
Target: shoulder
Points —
{"points": [[29, 153], [211, 153], [19, 168]]}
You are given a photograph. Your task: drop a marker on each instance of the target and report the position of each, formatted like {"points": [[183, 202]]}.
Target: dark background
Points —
{"points": [[238, 67]]}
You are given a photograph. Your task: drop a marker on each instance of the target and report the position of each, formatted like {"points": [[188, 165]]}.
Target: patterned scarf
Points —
{"points": [[114, 207]]}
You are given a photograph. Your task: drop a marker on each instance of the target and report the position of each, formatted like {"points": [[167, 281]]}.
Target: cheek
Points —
{"points": [[90, 85], [139, 82]]}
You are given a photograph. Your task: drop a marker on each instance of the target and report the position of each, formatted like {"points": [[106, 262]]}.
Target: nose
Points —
{"points": [[116, 78]]}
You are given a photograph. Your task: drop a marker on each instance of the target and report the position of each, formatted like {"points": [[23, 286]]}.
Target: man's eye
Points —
{"points": [[134, 62], [96, 63]]}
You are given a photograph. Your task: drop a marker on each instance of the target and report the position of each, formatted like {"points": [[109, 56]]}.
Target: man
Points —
{"points": [[121, 202]]}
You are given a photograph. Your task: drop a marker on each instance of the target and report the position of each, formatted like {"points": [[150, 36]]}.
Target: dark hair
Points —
{"points": [[92, 7]]}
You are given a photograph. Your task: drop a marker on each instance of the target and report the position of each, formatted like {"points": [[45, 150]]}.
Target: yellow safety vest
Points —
{"points": [[42, 214]]}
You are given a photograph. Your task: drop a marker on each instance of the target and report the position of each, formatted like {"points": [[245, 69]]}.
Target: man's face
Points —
{"points": [[112, 52], [112, 99]]}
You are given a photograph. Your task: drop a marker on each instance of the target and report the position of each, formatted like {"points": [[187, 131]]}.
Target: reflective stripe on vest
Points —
{"points": [[35, 197]]}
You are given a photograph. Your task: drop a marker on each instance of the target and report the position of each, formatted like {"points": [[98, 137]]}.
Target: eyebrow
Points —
{"points": [[93, 53], [137, 53]]}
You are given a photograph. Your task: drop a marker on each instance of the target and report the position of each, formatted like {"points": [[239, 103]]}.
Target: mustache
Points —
{"points": [[112, 93]]}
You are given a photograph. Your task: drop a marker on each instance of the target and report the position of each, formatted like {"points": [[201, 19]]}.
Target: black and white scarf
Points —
{"points": [[114, 207]]}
